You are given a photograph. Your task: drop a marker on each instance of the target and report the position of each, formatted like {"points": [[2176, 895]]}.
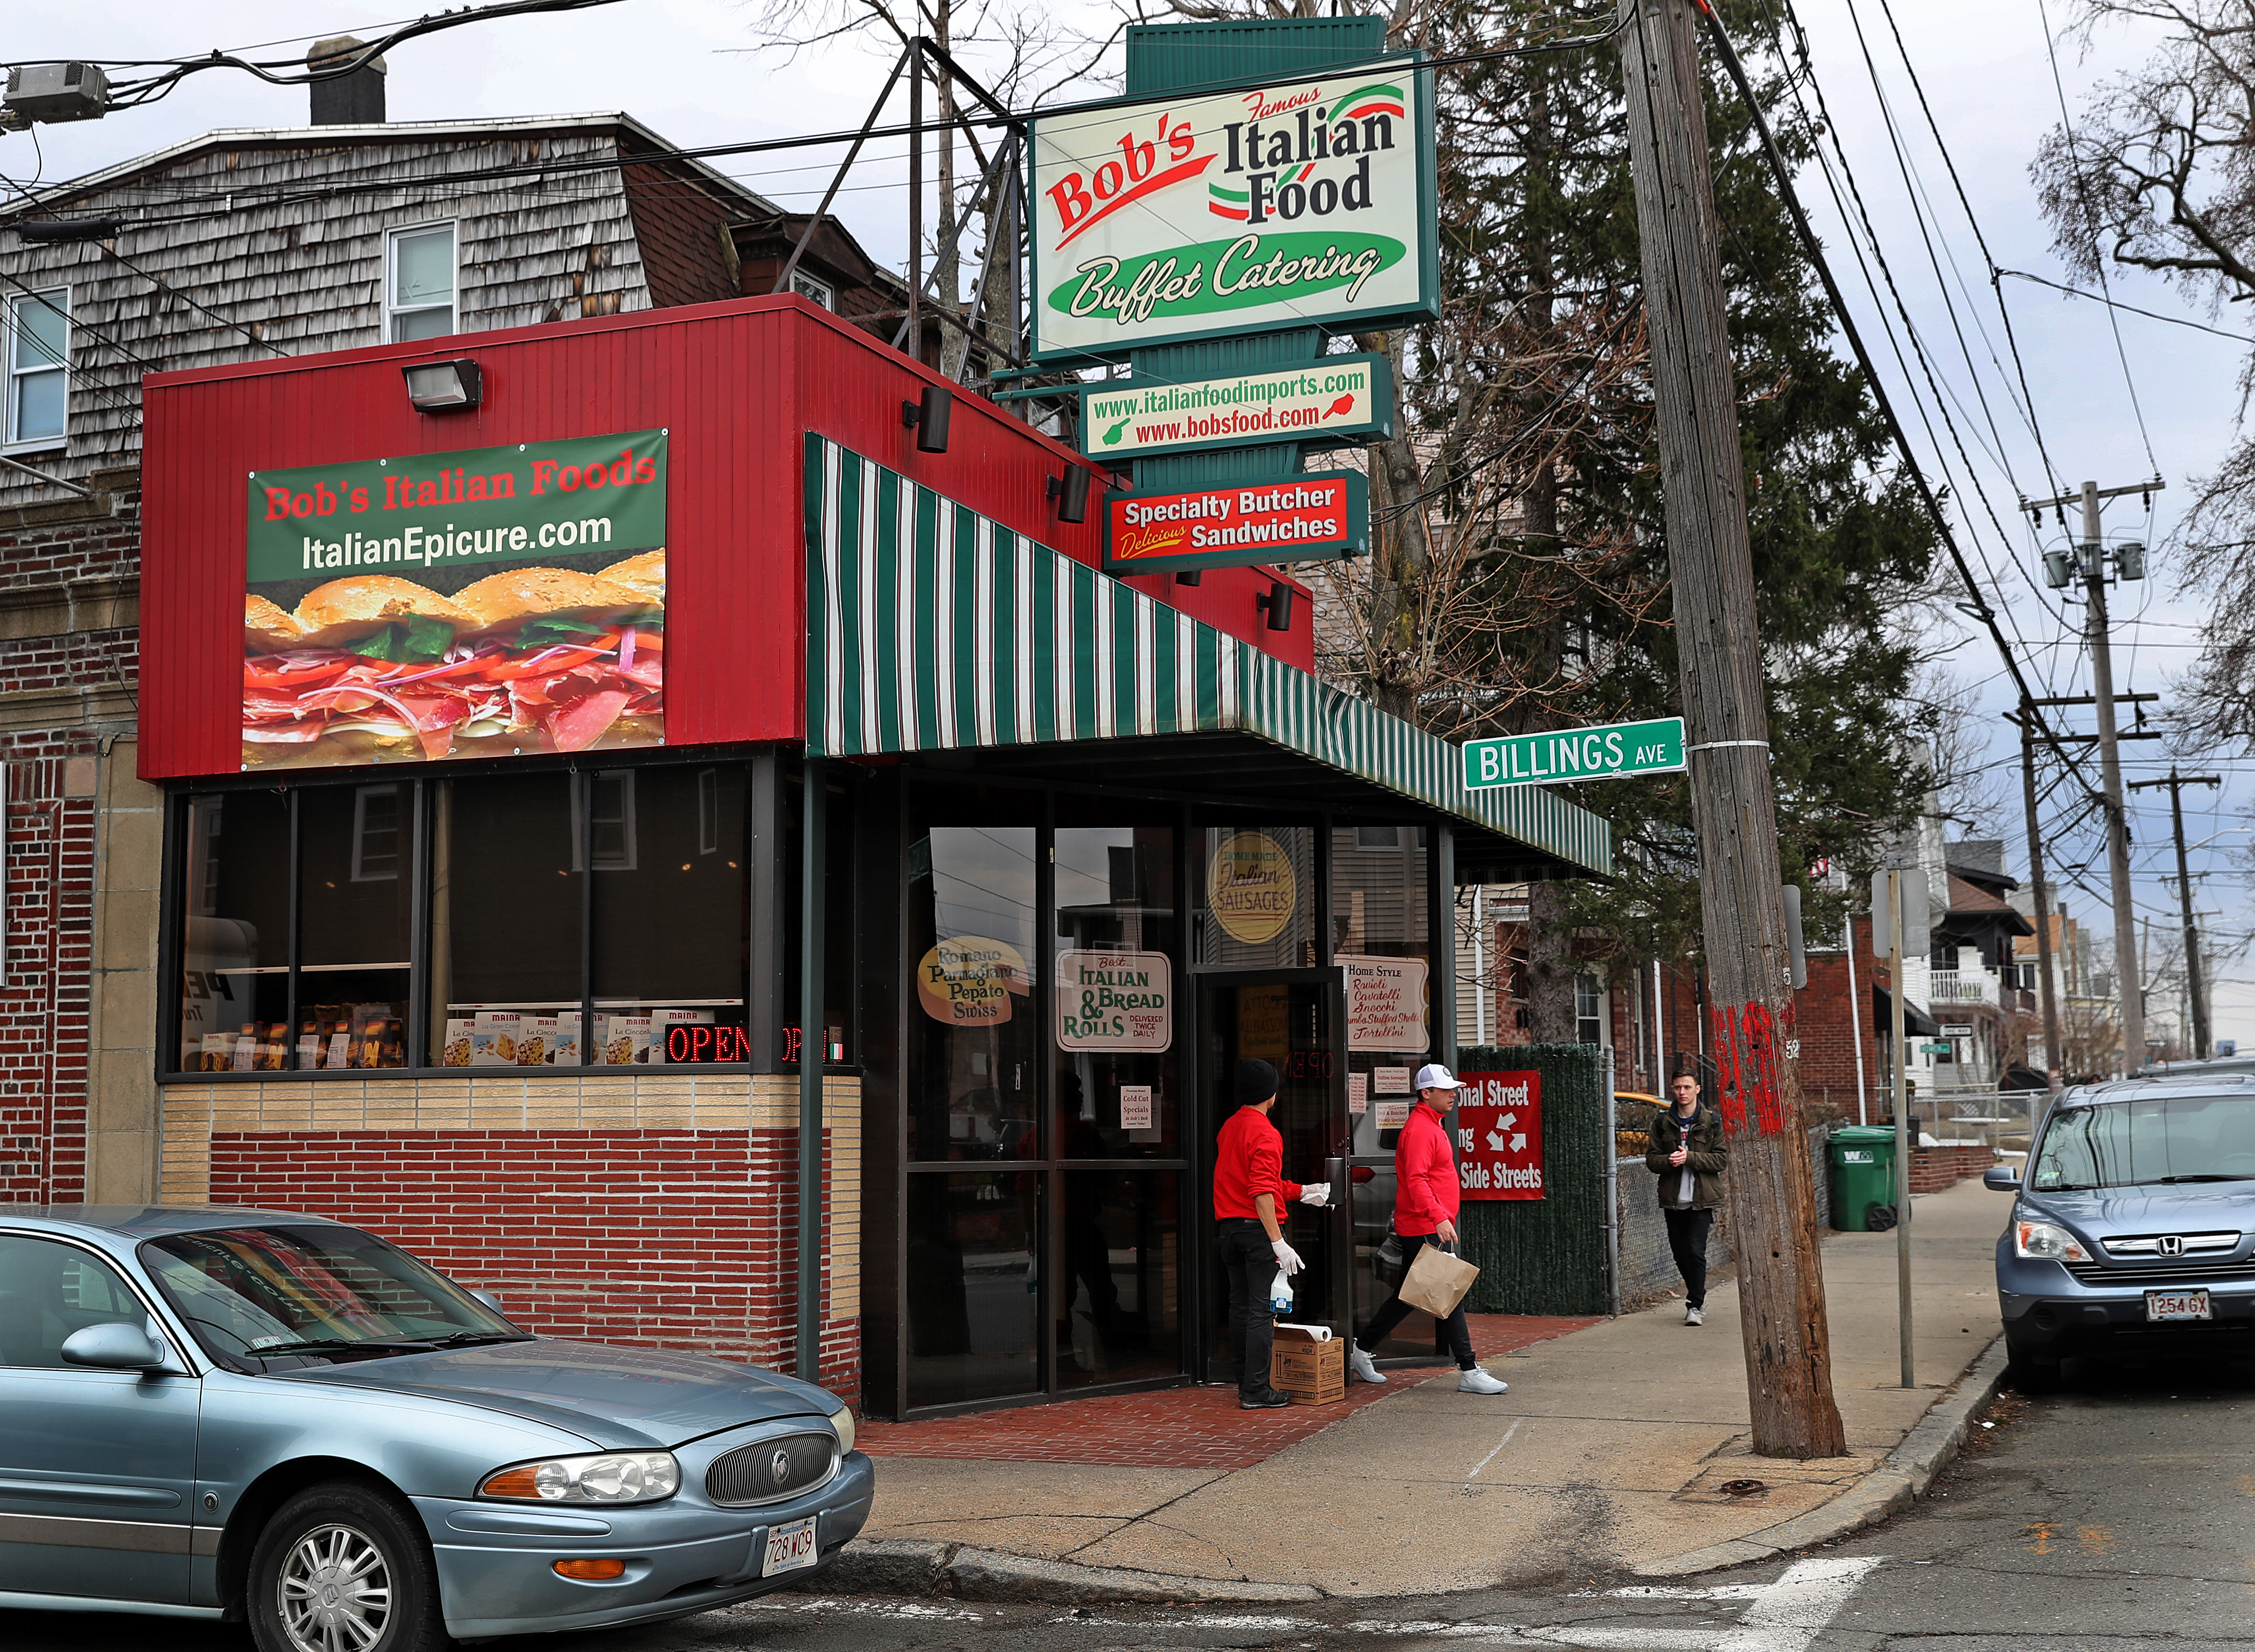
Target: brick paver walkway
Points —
{"points": [[1169, 1427]]}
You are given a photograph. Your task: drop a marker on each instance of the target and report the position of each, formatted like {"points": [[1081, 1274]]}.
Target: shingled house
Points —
{"points": [[236, 246]]}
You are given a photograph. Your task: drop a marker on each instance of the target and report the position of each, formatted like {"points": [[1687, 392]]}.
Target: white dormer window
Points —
{"points": [[807, 287], [36, 340], [419, 284]]}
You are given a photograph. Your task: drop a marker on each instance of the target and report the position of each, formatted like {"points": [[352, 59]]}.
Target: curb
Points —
{"points": [[1909, 1470], [899, 1566]]}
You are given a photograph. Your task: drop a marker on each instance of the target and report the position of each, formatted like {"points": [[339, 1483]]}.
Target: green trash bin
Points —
{"points": [[1863, 1158]]}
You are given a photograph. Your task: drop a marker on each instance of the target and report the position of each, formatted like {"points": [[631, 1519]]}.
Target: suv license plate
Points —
{"points": [[791, 1546], [2177, 1305]]}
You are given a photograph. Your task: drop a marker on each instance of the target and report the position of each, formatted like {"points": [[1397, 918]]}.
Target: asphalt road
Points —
{"points": [[2118, 1514]]}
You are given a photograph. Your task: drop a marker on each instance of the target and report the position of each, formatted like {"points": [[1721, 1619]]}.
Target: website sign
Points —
{"points": [[1302, 203], [1337, 400]]}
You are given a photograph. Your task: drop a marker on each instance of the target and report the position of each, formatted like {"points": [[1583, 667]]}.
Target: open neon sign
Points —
{"points": [[695, 1044]]}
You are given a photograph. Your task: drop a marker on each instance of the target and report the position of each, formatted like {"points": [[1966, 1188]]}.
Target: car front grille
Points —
{"points": [[2241, 1272], [769, 1469]]}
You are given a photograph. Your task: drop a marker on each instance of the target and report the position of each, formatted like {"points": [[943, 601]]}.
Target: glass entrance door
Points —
{"points": [[1292, 1019]]}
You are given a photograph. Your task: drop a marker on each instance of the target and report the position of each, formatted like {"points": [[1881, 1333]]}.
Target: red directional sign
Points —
{"points": [[1499, 1135]]}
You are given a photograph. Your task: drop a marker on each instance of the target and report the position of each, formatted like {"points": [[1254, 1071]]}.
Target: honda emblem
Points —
{"points": [[2170, 1244]]}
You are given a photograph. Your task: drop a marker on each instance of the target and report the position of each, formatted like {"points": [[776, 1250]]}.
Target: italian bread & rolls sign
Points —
{"points": [[494, 601]]}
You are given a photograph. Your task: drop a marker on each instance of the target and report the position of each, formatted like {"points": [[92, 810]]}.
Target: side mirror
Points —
{"points": [[2002, 1179], [117, 1347], [492, 1302]]}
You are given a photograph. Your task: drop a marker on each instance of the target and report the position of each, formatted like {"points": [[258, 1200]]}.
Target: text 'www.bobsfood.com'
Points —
{"points": [[422, 545]]}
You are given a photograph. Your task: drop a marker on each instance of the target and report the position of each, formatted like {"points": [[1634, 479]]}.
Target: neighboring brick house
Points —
{"points": [[236, 246]]}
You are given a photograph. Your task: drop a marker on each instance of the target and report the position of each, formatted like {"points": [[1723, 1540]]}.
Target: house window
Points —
{"points": [[1385, 837], [807, 287], [1589, 1010], [420, 283], [38, 340]]}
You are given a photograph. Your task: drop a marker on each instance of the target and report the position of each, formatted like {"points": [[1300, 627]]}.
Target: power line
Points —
{"points": [[2154, 315]]}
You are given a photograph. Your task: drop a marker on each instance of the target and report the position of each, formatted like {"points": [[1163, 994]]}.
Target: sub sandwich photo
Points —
{"points": [[374, 668]]}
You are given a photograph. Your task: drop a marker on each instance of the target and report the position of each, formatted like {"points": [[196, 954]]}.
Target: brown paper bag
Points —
{"points": [[1436, 1282]]}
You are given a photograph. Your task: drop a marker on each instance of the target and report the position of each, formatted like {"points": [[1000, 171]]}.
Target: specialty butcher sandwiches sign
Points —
{"points": [[490, 602], [1294, 204]]}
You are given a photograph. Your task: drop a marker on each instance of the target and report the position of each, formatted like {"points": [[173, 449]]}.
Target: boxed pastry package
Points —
{"points": [[456, 1051], [493, 1038], [625, 1040]]}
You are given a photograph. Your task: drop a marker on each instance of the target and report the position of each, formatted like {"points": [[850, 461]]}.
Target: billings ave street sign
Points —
{"points": [[1610, 752]]}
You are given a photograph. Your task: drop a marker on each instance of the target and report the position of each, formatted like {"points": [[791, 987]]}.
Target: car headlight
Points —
{"points": [[2050, 1243], [842, 1421], [609, 1477]]}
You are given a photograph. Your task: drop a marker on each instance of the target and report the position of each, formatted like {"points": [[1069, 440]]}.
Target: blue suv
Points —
{"points": [[2133, 1230]]}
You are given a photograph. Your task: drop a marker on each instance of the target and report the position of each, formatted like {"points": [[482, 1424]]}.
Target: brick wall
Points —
{"points": [[655, 1211], [1933, 1169]]}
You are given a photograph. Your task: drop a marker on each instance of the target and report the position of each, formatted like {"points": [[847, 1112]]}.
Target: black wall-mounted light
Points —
{"points": [[1190, 576], [1277, 601], [1071, 491], [445, 387], [927, 417]]}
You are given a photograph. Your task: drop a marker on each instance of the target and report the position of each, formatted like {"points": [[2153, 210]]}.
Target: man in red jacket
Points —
{"points": [[1426, 1198], [1249, 1193]]}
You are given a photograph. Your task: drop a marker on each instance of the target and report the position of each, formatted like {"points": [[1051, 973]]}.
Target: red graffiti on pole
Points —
{"points": [[1745, 1070]]}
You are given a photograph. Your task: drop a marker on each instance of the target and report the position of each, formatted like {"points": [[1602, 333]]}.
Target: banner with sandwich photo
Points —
{"points": [[496, 601]]}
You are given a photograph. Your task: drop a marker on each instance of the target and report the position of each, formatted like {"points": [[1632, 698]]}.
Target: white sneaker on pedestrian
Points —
{"points": [[1478, 1381], [1695, 1315], [1366, 1368]]}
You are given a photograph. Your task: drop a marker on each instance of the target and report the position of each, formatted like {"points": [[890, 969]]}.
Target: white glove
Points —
{"points": [[1288, 1260], [1315, 1193]]}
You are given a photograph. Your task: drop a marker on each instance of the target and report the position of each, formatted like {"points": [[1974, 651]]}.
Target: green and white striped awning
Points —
{"points": [[931, 627]]}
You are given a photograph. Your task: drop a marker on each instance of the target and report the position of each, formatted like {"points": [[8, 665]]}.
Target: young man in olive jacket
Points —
{"points": [[1690, 1156]]}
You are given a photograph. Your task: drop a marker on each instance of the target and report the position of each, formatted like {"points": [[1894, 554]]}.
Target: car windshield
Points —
{"points": [[2184, 1138], [264, 1293]]}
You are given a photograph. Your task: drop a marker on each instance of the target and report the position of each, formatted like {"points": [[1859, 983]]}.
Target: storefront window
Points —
{"points": [[506, 919], [671, 897], [356, 920], [234, 976], [838, 887], [1118, 1001], [1256, 897], [1117, 1264], [974, 1041], [1381, 936]]}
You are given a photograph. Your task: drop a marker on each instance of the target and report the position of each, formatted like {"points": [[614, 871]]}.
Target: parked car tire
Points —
{"points": [[343, 1568]]}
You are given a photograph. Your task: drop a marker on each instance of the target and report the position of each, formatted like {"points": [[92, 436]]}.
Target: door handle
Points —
{"points": [[1335, 1172]]}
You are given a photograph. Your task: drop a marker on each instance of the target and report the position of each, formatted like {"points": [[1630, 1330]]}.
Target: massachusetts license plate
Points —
{"points": [[2177, 1305], [792, 1546]]}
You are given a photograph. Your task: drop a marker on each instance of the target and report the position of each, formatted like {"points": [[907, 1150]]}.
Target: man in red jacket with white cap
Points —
{"points": [[1426, 1198]]}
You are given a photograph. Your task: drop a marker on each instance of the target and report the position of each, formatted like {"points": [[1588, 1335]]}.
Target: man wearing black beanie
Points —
{"points": [[1249, 1190]]}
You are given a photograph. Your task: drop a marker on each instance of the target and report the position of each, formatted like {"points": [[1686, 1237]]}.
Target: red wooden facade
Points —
{"points": [[735, 384]]}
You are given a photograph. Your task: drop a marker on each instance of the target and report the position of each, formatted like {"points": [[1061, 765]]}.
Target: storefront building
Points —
{"points": [[490, 828]]}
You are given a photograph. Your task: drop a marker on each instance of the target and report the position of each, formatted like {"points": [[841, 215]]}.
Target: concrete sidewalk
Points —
{"points": [[1609, 1454]]}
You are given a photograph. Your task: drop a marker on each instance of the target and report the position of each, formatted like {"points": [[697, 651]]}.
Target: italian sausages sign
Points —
{"points": [[1499, 1135], [1312, 516], [1296, 204]]}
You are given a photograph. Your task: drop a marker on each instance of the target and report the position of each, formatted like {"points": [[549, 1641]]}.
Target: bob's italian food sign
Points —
{"points": [[488, 602], [1299, 204], [1311, 516]]}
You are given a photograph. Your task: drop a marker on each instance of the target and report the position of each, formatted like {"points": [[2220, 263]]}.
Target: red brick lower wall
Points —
{"points": [[676, 1238], [1933, 1169]]}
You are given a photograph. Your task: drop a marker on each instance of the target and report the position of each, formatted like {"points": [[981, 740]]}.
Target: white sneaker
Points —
{"points": [[1478, 1381], [1366, 1368], [1695, 1315]]}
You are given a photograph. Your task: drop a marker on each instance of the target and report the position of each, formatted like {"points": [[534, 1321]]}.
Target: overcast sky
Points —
{"points": [[694, 71]]}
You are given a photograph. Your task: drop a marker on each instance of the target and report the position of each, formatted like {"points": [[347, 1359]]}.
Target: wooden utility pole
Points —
{"points": [[2197, 999], [2047, 993], [1711, 570]]}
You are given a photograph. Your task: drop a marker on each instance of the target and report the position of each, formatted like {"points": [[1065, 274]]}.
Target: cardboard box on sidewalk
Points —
{"points": [[1310, 1367]]}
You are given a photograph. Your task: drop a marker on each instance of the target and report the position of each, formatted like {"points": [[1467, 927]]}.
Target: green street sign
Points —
{"points": [[1610, 752], [1326, 403], [1936, 1049]]}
